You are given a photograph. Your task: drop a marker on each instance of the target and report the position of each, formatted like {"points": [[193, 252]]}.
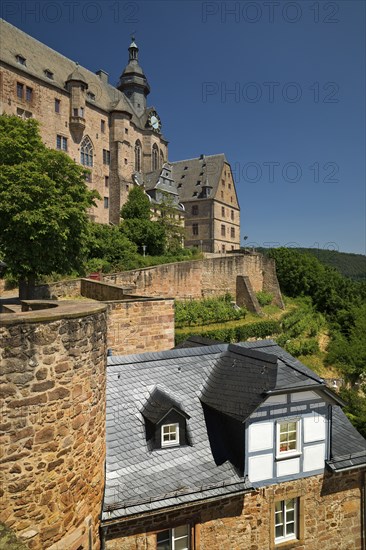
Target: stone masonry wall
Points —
{"points": [[52, 432], [330, 518], [199, 278], [137, 326]]}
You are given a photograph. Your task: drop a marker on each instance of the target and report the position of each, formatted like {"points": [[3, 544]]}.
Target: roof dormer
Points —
{"points": [[165, 420]]}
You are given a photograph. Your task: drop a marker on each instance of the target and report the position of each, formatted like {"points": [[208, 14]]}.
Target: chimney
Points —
{"points": [[103, 76]]}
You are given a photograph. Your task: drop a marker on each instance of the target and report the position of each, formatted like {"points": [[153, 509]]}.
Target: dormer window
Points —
{"points": [[90, 96], [170, 435], [48, 74], [288, 438], [21, 60]]}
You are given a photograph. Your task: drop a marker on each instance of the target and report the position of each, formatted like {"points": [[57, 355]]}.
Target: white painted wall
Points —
{"points": [[260, 467], [314, 457], [260, 436]]}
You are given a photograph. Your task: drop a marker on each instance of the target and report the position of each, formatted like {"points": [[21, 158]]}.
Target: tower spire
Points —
{"points": [[133, 82]]}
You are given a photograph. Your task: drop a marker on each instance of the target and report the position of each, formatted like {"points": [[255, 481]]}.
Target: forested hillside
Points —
{"points": [[349, 265]]}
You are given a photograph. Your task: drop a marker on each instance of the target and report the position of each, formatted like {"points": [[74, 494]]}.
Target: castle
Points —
{"points": [[113, 133]]}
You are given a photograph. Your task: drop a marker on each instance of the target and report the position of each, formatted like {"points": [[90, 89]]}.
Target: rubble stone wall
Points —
{"points": [[52, 426]]}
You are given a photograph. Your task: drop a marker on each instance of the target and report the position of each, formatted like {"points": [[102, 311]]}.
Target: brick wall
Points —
{"points": [[330, 518], [52, 432]]}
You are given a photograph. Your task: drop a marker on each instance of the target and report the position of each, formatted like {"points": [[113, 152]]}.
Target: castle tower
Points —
{"points": [[133, 83], [52, 428]]}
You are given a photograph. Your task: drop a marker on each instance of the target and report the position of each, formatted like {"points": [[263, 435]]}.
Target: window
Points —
{"points": [[223, 211], [126, 130], [106, 181], [86, 152], [222, 194], [20, 90], [195, 210], [106, 156], [229, 185], [286, 520], [138, 156], [288, 438], [76, 112], [102, 126], [161, 158], [232, 232], [21, 60], [126, 161], [232, 214], [21, 113], [57, 105], [106, 202], [81, 110], [173, 539], [155, 157], [28, 94], [88, 177], [169, 435], [223, 183], [195, 229], [91, 96], [223, 231], [48, 74], [61, 143]]}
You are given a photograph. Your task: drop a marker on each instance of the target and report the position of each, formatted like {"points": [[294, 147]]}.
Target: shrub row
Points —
{"points": [[235, 334]]}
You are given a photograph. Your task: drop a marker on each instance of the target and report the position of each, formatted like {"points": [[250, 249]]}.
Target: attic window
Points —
{"points": [[48, 74], [198, 182], [170, 435], [186, 168], [183, 177], [21, 60], [179, 185], [91, 96], [195, 194]]}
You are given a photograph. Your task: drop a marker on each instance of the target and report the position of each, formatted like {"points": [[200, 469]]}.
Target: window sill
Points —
{"points": [[284, 456], [288, 544]]}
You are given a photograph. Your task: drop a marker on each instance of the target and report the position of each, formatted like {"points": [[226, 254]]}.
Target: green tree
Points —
{"points": [[137, 206], [43, 203], [111, 248], [169, 219], [138, 226]]}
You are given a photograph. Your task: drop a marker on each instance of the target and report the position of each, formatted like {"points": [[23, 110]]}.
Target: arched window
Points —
{"points": [[155, 157], [86, 152], [161, 158], [138, 156]]}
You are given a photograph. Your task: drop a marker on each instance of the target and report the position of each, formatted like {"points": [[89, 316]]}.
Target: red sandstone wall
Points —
{"points": [[52, 432]]}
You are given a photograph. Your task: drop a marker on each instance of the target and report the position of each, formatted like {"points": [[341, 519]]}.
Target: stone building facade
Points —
{"points": [[113, 133]]}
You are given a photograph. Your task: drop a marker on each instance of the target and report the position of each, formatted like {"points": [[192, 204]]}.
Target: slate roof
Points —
{"points": [[139, 479], [348, 446], [40, 57], [206, 170]]}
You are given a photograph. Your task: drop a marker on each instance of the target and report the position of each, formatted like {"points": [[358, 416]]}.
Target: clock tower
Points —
{"points": [[133, 83]]}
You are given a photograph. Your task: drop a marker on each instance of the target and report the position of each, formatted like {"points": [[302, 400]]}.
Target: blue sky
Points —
{"points": [[279, 87]]}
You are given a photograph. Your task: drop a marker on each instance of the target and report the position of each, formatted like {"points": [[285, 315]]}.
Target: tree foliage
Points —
{"points": [[43, 202]]}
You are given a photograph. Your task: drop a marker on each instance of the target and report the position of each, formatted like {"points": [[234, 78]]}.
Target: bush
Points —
{"points": [[264, 298], [206, 311], [235, 334]]}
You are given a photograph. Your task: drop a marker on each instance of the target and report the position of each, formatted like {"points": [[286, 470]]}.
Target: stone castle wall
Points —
{"points": [[53, 424], [135, 324], [330, 518], [200, 278]]}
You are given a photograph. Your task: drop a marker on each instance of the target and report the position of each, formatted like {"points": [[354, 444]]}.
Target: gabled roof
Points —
{"points": [[205, 169], [139, 479]]}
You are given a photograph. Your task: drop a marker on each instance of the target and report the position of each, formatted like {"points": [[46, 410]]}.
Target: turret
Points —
{"points": [[77, 86], [133, 82]]}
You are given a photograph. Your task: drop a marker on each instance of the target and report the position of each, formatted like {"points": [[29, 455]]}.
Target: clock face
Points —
{"points": [[154, 121]]}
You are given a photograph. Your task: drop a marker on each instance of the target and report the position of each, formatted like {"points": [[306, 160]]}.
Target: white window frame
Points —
{"points": [[292, 452], [173, 538], [170, 442], [285, 510]]}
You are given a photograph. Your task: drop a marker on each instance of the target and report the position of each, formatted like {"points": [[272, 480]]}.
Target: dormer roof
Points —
{"points": [[159, 403]]}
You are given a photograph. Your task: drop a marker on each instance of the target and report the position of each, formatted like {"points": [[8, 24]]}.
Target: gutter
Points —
{"points": [[168, 509]]}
